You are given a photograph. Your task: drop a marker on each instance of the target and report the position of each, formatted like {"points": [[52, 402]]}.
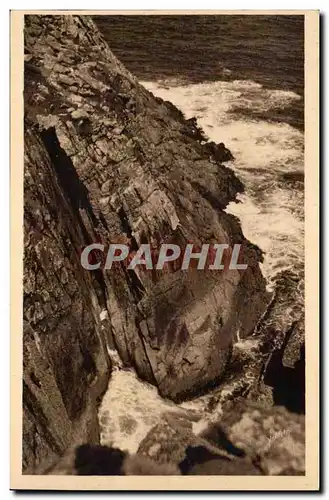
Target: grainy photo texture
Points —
{"points": [[163, 313]]}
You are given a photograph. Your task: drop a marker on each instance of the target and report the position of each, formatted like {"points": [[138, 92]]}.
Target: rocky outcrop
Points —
{"points": [[254, 418], [269, 365], [174, 442], [250, 439], [106, 161], [65, 363]]}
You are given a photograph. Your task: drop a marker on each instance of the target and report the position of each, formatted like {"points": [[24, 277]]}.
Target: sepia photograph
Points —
{"points": [[167, 177]]}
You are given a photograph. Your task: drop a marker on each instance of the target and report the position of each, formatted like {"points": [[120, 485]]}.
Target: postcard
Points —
{"points": [[164, 250]]}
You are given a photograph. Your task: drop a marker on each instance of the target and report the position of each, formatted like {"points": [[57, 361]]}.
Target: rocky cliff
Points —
{"points": [[106, 161]]}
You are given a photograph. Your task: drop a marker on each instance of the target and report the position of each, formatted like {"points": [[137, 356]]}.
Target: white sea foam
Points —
{"points": [[271, 213], [129, 409]]}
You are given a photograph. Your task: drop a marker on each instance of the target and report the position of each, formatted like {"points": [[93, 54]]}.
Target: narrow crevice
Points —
{"points": [[150, 375], [134, 283], [77, 196], [126, 228], [67, 176]]}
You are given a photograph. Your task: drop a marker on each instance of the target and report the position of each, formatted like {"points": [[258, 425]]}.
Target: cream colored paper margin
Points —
{"points": [[170, 483]]}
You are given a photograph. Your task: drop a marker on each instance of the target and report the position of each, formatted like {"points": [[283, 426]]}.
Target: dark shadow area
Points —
{"points": [[288, 383], [197, 455], [96, 460], [201, 461]]}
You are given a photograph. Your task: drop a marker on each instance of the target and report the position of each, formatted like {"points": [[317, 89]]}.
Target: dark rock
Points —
{"points": [[284, 341], [200, 460], [293, 177], [269, 365], [65, 363], [219, 152]]}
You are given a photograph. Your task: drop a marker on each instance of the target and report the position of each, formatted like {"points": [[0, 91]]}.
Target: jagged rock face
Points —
{"points": [[255, 416], [65, 365], [132, 169]]}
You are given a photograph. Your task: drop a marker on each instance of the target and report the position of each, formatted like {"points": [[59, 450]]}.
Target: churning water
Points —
{"points": [[268, 159]]}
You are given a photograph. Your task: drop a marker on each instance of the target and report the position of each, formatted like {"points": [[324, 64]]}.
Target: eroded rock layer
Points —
{"points": [[106, 161], [64, 357]]}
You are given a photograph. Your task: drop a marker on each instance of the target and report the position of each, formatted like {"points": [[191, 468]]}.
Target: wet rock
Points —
{"points": [[167, 443], [269, 365], [219, 152]]}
